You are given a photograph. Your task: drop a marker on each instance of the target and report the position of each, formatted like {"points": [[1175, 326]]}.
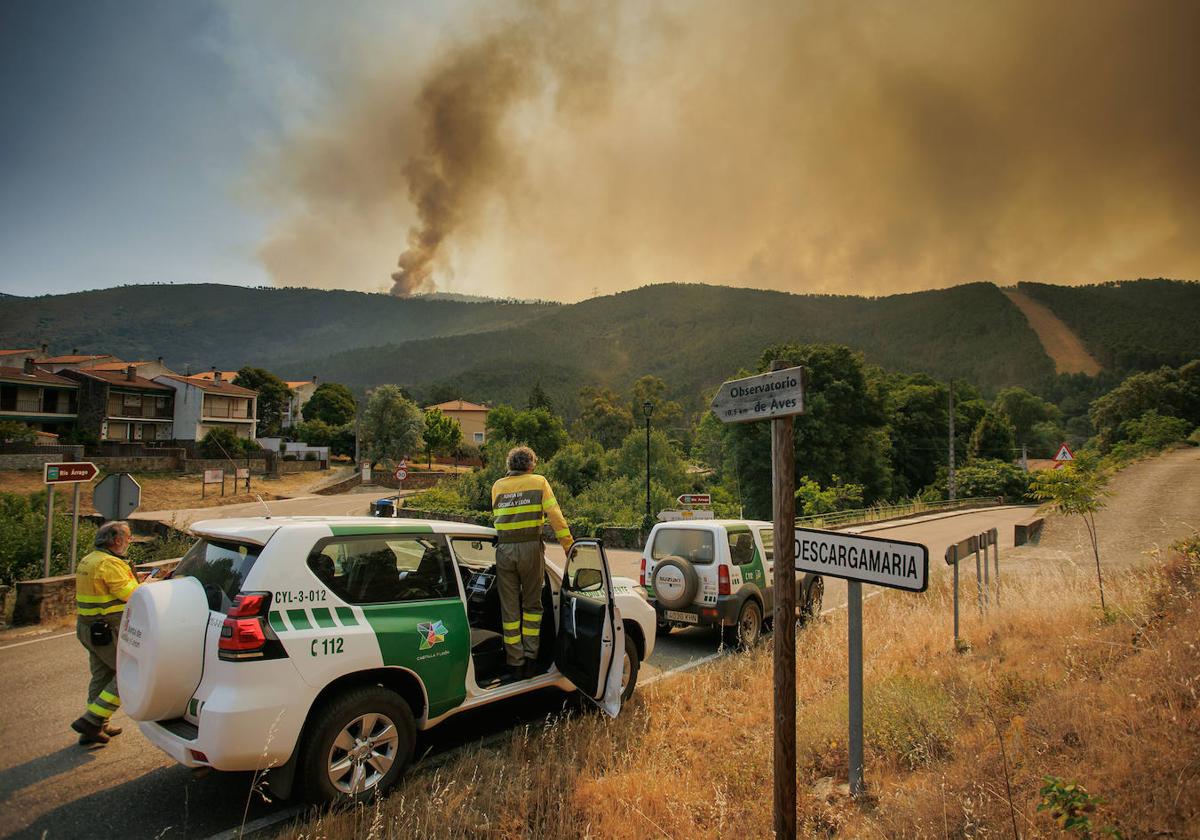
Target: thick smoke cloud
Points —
{"points": [[867, 147]]}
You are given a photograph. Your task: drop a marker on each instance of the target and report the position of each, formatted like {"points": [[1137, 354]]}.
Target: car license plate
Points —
{"points": [[690, 618]]}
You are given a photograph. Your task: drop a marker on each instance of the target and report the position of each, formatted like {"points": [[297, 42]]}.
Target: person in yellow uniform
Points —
{"points": [[104, 583], [521, 503]]}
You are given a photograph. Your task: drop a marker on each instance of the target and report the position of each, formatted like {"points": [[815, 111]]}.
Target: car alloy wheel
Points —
{"points": [[362, 753]]}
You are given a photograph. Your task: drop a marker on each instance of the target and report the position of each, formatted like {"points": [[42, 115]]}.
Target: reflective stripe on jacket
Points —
{"points": [[103, 583], [521, 504]]}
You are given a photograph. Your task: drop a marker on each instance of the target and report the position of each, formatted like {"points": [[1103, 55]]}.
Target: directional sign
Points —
{"points": [[117, 496], [695, 499], [71, 472], [681, 515], [1063, 455], [892, 563], [779, 393]]}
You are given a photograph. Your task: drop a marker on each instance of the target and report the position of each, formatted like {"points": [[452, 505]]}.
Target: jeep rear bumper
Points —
{"points": [[724, 612]]}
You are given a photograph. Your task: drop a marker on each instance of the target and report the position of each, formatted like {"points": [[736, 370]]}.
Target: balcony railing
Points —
{"points": [[116, 409], [28, 406], [227, 412]]}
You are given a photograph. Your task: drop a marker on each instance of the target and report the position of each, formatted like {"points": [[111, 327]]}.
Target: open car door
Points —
{"points": [[591, 638]]}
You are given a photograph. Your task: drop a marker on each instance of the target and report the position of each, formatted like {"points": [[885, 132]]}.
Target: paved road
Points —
{"points": [[51, 787]]}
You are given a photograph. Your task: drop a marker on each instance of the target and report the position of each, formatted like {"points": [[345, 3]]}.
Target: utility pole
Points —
{"points": [[950, 475], [648, 409]]}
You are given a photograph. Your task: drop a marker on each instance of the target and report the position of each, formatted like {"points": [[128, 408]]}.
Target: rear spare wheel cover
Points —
{"points": [[160, 648], [675, 582]]}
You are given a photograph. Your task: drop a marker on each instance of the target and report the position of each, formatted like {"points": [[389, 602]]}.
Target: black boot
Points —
{"points": [[89, 733]]}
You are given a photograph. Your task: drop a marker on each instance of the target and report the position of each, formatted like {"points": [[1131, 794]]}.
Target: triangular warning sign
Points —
{"points": [[1064, 454]]}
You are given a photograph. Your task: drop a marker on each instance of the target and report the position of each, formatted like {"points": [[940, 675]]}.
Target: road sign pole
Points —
{"points": [[996, 557], [74, 530], [783, 468], [49, 530], [854, 612]]}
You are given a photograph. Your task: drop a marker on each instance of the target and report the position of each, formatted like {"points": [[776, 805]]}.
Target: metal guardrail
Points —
{"points": [[880, 512], [977, 544]]}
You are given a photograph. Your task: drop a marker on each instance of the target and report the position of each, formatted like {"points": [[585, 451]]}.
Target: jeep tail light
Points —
{"points": [[722, 580], [642, 577], [243, 635]]}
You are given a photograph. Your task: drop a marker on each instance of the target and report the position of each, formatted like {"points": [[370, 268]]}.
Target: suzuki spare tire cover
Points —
{"points": [[675, 582], [160, 649]]}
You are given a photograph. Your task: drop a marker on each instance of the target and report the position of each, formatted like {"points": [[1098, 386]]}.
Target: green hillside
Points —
{"points": [[1131, 325], [693, 336], [228, 326]]}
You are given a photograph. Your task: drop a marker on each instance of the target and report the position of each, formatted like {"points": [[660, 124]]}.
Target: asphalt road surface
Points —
{"points": [[51, 787]]}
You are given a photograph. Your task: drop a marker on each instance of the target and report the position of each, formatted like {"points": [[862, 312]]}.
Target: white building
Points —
{"points": [[205, 404]]}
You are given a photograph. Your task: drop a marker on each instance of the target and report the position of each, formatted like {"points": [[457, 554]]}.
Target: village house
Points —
{"points": [[16, 358], [472, 417], [145, 369], [42, 400], [72, 361], [203, 404], [123, 406]]}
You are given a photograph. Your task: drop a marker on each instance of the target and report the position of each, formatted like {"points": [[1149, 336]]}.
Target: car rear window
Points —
{"points": [[221, 566], [691, 544]]}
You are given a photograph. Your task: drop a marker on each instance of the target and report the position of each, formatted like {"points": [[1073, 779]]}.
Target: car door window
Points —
{"points": [[741, 547], [385, 568]]}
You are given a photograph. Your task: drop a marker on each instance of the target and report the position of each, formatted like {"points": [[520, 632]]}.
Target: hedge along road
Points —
{"points": [[50, 785]]}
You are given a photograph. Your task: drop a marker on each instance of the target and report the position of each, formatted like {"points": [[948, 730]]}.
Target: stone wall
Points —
{"points": [[49, 598], [286, 467], [417, 480], [136, 463], [10, 461]]}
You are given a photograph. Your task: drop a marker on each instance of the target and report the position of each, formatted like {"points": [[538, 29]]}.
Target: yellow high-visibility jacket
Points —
{"points": [[521, 503], [103, 583]]}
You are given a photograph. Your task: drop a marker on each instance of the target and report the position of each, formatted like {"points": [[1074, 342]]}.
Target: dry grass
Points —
{"points": [[1109, 703], [170, 491]]}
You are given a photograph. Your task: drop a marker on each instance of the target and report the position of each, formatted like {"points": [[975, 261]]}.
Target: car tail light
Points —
{"points": [[243, 635], [722, 580], [642, 577]]}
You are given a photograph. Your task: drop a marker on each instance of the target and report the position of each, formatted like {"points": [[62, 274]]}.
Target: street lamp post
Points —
{"points": [[648, 409]]}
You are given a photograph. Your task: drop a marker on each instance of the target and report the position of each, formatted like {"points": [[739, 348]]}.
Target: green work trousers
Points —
{"points": [[520, 568], [102, 696]]}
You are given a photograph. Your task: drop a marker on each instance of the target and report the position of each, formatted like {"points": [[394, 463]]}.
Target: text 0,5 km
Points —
{"points": [[301, 596]]}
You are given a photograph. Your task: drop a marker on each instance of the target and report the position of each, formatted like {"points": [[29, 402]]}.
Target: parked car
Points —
{"points": [[719, 573], [318, 646]]}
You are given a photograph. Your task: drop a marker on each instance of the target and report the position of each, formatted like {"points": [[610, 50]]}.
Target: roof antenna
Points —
{"points": [[264, 504]]}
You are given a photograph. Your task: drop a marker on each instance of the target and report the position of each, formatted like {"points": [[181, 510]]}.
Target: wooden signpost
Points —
{"points": [[777, 396]]}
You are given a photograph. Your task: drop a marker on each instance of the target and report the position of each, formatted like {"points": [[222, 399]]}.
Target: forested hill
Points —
{"points": [[694, 336], [229, 326], [1131, 325]]}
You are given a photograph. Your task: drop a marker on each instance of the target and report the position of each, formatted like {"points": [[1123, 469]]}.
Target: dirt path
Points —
{"points": [[1059, 342], [1154, 503]]}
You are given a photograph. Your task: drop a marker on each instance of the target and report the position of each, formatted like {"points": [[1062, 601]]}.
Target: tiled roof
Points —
{"points": [[208, 374], [213, 387], [458, 405], [300, 384], [19, 350], [117, 365], [39, 376], [114, 377], [69, 360]]}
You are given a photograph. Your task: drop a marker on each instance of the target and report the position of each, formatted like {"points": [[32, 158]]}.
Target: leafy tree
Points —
{"points": [[442, 434], [445, 392], [667, 467], [665, 414], [22, 531], [983, 477], [331, 403], [917, 409], [1077, 489], [391, 425], [620, 501], [575, 466], [339, 439], [538, 398], [993, 437], [708, 443], [221, 442], [1026, 411], [1170, 392], [1151, 432], [842, 434], [811, 498], [537, 428], [273, 397], [14, 432], [604, 417]]}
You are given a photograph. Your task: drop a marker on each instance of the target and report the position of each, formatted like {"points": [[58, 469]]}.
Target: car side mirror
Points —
{"points": [[587, 580]]}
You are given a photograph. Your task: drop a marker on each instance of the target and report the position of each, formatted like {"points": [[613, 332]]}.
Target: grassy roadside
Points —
{"points": [[958, 745]]}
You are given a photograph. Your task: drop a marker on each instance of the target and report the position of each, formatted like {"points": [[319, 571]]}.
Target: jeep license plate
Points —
{"points": [[690, 618]]}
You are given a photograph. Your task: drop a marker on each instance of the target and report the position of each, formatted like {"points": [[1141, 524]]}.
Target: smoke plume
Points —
{"points": [[552, 149]]}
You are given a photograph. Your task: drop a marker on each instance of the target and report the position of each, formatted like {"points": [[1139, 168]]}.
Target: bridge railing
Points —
{"points": [[978, 545], [881, 512]]}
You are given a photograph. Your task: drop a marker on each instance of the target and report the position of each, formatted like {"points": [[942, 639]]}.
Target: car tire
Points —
{"points": [[749, 628], [676, 590], [813, 601], [381, 734], [629, 670]]}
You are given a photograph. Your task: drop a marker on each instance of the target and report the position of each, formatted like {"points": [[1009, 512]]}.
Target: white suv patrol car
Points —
{"points": [[319, 645], [719, 573]]}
